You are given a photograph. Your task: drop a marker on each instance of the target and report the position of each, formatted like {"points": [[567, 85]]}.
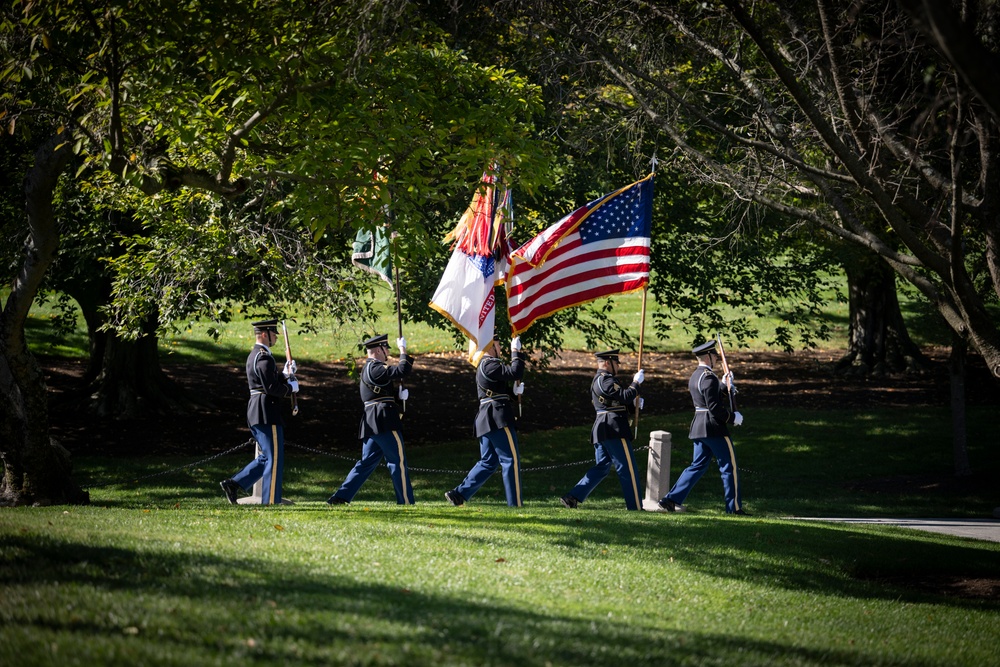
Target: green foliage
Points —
{"points": [[241, 128], [843, 125]]}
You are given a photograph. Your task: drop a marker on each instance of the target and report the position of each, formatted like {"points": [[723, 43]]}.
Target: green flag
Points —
{"points": [[372, 253]]}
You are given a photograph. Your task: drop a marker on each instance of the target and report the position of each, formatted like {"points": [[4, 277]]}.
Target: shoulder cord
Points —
{"points": [[374, 387], [600, 392], [707, 371], [486, 390], [257, 370]]}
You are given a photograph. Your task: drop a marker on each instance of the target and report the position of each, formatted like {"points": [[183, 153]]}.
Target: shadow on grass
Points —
{"points": [[293, 614], [825, 558]]}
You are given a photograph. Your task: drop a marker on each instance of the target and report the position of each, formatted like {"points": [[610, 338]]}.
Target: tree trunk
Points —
{"points": [[131, 382], [877, 342], [124, 377], [35, 468], [956, 369]]}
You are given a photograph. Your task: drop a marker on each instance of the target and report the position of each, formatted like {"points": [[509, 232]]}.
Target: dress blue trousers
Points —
{"points": [[725, 456], [389, 445], [269, 466], [496, 448], [606, 452]]}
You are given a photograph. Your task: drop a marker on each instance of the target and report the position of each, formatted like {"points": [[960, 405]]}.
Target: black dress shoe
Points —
{"points": [[742, 513], [454, 497], [334, 500], [231, 489], [569, 502], [667, 505]]}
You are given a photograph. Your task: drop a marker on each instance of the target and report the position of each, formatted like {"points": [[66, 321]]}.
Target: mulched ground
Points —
{"points": [[442, 407], [442, 401]]}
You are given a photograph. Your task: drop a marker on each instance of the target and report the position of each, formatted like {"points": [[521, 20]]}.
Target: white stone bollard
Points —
{"points": [[657, 469], [258, 490]]}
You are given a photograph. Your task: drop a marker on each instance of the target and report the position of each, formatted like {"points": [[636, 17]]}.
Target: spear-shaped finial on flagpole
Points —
{"points": [[653, 161]]}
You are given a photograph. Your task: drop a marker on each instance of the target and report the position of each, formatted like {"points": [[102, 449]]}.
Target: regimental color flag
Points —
{"points": [[597, 250], [372, 253], [479, 261]]}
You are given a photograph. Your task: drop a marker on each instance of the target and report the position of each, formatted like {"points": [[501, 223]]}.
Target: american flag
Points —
{"points": [[597, 250]]}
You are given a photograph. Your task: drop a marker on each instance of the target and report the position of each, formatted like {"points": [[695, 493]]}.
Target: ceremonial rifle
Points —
{"points": [[642, 331], [725, 373], [288, 357], [399, 307]]}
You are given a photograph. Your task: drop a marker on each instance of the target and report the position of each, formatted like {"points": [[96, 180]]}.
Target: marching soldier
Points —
{"points": [[381, 426], [611, 434], [497, 384], [267, 387], [710, 434]]}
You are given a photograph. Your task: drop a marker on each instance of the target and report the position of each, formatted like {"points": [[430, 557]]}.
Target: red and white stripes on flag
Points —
{"points": [[597, 250]]}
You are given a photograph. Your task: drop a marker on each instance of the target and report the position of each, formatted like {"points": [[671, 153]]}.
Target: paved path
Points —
{"points": [[979, 529]]}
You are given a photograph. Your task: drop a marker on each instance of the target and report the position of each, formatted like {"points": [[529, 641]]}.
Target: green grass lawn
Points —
{"points": [[163, 571], [160, 570]]}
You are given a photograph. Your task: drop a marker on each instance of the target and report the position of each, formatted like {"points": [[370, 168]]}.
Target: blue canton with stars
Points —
{"points": [[485, 265], [625, 215]]}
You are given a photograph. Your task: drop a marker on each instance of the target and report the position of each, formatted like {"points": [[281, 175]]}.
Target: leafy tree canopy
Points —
{"points": [[301, 116]]}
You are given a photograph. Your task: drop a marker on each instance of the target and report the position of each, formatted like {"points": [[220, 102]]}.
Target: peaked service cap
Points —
{"points": [[704, 348], [381, 340], [265, 325]]}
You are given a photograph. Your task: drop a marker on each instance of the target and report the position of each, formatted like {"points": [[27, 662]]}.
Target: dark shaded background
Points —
{"points": [[443, 402]]}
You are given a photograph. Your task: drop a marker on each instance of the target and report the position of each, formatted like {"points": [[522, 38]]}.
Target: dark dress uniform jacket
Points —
{"points": [[711, 405], [494, 384], [613, 404], [379, 396], [267, 387]]}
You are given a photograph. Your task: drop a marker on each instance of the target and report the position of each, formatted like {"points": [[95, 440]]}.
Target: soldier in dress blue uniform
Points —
{"points": [[267, 387], [381, 427], [611, 435], [712, 412], [497, 384]]}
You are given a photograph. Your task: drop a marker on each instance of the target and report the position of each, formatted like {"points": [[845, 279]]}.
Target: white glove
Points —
{"points": [[294, 384], [728, 379], [404, 393], [518, 388], [401, 343], [737, 419], [290, 368], [642, 402], [515, 344], [639, 376]]}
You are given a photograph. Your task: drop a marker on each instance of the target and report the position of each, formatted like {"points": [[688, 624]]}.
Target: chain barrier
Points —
{"points": [[441, 470], [252, 442]]}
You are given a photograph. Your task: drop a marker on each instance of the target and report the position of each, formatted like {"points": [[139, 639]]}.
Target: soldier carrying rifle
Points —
{"points": [[714, 408]]}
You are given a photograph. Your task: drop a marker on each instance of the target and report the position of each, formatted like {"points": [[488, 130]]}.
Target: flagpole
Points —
{"points": [[399, 308], [642, 323], [642, 331], [496, 201]]}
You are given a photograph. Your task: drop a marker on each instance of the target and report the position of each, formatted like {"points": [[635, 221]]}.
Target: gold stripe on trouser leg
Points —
{"points": [[736, 477], [402, 468], [631, 472], [274, 461], [517, 466]]}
